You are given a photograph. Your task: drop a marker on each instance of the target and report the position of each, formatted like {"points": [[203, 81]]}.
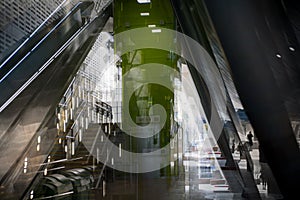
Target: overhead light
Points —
{"points": [[144, 1], [278, 55], [145, 14], [291, 48], [151, 25], [156, 30]]}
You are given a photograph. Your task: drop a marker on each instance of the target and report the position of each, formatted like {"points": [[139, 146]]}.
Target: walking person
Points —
{"points": [[250, 141], [233, 146]]}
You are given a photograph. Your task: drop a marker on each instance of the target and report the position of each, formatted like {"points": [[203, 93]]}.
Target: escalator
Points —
{"points": [[40, 49], [33, 80]]}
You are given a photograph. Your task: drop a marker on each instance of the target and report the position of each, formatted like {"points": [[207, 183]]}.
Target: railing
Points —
{"points": [[79, 107]]}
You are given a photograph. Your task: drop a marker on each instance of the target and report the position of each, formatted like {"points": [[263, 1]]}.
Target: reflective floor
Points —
{"points": [[194, 181], [195, 176]]}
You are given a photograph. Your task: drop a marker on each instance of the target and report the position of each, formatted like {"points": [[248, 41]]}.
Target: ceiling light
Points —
{"points": [[145, 14], [291, 48], [144, 1], [278, 55], [156, 30]]}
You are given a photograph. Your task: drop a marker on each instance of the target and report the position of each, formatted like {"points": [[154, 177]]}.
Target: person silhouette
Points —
{"points": [[233, 146], [249, 137]]}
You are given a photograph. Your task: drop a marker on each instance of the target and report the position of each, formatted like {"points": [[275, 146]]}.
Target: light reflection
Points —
{"points": [[66, 115], [73, 148], [145, 14], [25, 165], [172, 164], [144, 1], [98, 154], [45, 171], [98, 117], [31, 194], [186, 188], [120, 150], [86, 123], [104, 188], [82, 122], [185, 163], [291, 48], [73, 101], [80, 135], [156, 30]]}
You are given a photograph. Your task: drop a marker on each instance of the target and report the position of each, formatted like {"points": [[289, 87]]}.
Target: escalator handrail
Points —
{"points": [[33, 33], [20, 88], [28, 51]]}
